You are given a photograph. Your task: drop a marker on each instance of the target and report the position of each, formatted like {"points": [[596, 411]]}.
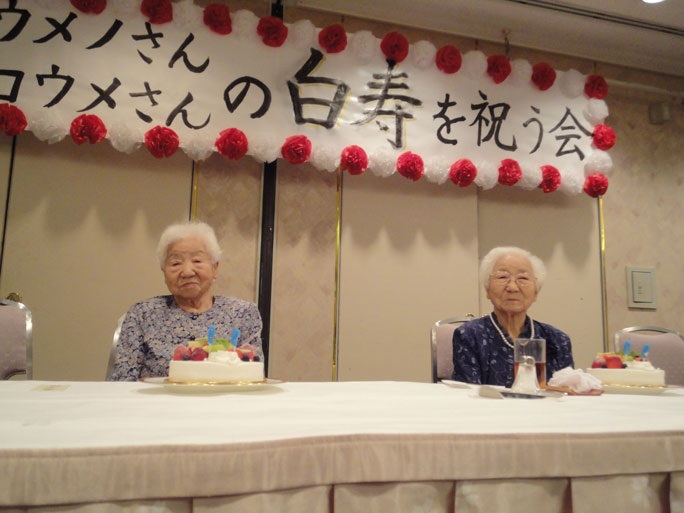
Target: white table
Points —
{"points": [[342, 447]]}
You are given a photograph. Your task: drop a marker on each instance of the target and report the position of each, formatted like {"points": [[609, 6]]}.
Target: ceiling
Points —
{"points": [[626, 32]]}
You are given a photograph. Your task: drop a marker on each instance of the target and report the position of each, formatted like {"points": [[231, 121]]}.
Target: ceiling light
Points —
{"points": [[652, 1]]}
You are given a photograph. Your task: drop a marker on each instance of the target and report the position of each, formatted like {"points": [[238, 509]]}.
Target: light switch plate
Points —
{"points": [[641, 289]]}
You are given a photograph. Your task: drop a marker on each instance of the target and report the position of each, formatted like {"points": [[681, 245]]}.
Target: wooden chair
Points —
{"points": [[441, 348], [16, 337], [666, 349]]}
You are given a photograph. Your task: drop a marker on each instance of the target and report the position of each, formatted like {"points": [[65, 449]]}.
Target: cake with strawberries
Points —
{"points": [[618, 369], [217, 363]]}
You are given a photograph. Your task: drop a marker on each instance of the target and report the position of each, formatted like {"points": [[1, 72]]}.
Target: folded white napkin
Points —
{"points": [[575, 379]]}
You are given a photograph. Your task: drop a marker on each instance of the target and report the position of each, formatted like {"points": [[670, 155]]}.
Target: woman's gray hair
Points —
{"points": [[490, 259], [181, 231]]}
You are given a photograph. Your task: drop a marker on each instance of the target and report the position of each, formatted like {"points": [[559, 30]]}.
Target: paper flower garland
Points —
{"points": [[296, 149], [448, 59], [158, 11], [353, 160], [603, 137], [394, 47], [333, 39], [232, 143], [90, 6], [595, 185], [462, 172], [161, 141], [509, 172], [12, 120], [272, 31], [543, 76], [551, 179], [410, 166], [498, 67], [217, 18], [87, 128]]}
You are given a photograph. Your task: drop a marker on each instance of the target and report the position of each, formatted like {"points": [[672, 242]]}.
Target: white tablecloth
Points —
{"points": [[379, 446]]}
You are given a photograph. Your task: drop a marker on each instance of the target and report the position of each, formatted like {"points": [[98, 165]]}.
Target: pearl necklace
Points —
{"points": [[503, 337]]}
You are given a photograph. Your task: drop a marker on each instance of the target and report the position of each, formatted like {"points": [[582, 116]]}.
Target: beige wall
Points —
{"points": [[84, 220]]}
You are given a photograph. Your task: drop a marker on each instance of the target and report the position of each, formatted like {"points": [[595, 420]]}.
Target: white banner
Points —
{"points": [[176, 75]]}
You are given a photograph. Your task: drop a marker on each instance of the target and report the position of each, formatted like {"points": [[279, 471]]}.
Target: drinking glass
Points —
{"points": [[535, 348]]}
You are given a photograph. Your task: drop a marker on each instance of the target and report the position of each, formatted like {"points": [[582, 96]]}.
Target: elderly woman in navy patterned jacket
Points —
{"points": [[483, 348], [188, 255]]}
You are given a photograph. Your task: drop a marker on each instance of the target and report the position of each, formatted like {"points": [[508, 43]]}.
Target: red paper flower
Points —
{"points": [[462, 172], [158, 11], [232, 143], [551, 179], [543, 76], [498, 67], [596, 87], [217, 18], [395, 47], [448, 59], [410, 166], [296, 149], [12, 120], [595, 185], [333, 39], [90, 6], [161, 141], [354, 160], [604, 137], [87, 128], [509, 172], [272, 31]]}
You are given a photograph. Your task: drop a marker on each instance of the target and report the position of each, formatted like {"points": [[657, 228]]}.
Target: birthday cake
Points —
{"points": [[216, 363], [626, 370]]}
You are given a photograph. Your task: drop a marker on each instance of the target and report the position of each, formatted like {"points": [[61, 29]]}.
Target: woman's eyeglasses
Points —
{"points": [[503, 278]]}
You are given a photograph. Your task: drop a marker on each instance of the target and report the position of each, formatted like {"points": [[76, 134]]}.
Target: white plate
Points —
{"points": [[637, 389], [201, 388]]}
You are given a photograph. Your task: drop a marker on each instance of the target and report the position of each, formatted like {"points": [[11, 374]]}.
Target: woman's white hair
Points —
{"points": [[490, 259], [181, 231]]}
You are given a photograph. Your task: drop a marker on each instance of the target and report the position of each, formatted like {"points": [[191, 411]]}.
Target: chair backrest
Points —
{"points": [[666, 349], [115, 343], [16, 340], [441, 349]]}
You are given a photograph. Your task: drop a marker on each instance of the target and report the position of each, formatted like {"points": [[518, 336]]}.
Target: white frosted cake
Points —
{"points": [[215, 367], [629, 373]]}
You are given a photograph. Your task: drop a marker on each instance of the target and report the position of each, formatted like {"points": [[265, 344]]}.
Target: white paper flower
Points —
{"points": [[384, 163], [325, 158], [244, 25], [572, 83], [437, 169], [197, 147], [474, 64], [423, 54], [487, 175], [49, 127], [263, 149], [598, 162], [188, 16], [596, 111], [571, 183], [521, 72], [302, 34], [531, 177], [364, 45], [125, 139]]}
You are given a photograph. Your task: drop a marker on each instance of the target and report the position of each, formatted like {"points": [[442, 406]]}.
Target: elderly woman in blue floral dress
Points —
{"points": [[188, 254], [483, 348]]}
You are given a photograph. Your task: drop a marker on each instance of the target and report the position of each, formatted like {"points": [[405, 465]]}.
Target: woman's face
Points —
{"points": [[512, 288], [188, 269]]}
